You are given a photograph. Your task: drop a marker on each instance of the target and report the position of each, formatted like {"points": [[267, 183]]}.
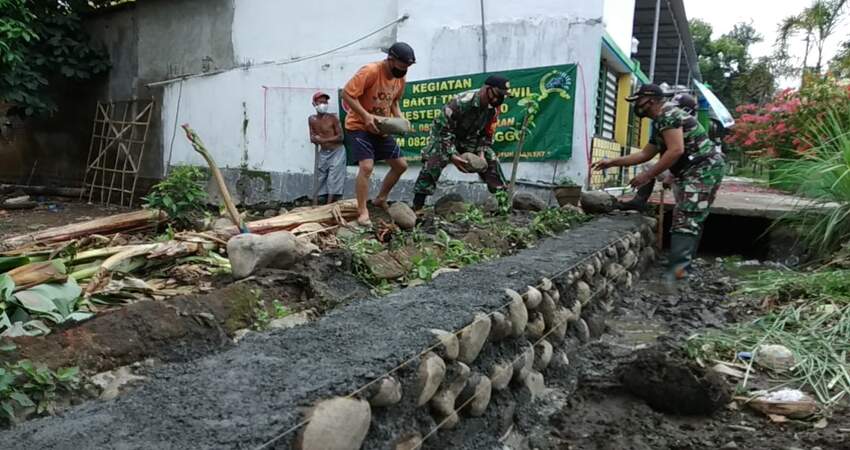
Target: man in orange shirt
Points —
{"points": [[374, 91]]}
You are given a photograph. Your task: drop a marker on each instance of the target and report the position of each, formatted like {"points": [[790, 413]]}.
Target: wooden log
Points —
{"points": [[136, 220], [329, 214], [37, 273]]}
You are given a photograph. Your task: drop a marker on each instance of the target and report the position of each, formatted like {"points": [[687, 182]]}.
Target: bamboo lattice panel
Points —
{"points": [[117, 147]]}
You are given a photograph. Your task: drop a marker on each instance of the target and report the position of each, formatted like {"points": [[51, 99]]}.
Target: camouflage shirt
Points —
{"points": [[465, 125], [697, 144]]}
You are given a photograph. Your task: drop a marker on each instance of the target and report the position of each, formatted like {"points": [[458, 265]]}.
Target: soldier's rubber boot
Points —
{"points": [[681, 251], [640, 200], [419, 202]]}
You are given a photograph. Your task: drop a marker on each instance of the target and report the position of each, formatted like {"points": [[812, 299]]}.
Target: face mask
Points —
{"points": [[642, 110], [322, 108], [398, 73], [496, 99]]}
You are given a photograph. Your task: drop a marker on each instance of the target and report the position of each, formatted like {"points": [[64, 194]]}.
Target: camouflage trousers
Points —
{"points": [[434, 163], [697, 188]]}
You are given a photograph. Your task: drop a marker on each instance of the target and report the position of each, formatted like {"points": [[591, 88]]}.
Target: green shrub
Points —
{"points": [[181, 194]]}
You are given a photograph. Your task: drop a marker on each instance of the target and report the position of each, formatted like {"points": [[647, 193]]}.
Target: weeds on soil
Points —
{"points": [[181, 195], [812, 319], [26, 386]]}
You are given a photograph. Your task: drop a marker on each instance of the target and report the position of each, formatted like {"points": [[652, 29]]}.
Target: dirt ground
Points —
{"points": [[51, 212], [604, 414]]}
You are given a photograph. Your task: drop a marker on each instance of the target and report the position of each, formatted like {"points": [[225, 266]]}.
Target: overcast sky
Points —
{"points": [[765, 16]]}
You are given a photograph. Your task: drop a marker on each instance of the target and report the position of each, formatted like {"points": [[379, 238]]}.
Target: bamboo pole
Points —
{"points": [[516, 155], [145, 218], [344, 209], [219, 179], [659, 232]]}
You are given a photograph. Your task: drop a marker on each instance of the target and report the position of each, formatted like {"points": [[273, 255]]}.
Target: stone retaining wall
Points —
{"points": [[413, 367], [507, 352]]}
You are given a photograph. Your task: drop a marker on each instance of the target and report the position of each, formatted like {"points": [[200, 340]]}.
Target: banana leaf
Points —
{"points": [[10, 262]]}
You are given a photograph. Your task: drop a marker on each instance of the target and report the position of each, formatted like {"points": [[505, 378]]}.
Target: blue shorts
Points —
{"points": [[365, 145]]}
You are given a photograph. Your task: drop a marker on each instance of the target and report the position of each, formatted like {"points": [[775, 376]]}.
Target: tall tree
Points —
{"points": [[43, 41], [840, 63], [815, 24], [726, 65]]}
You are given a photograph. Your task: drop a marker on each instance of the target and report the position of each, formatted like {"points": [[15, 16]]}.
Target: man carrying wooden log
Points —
{"points": [[372, 93], [465, 126]]}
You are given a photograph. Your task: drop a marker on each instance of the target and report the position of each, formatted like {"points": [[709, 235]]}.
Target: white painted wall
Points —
{"points": [[446, 35]]}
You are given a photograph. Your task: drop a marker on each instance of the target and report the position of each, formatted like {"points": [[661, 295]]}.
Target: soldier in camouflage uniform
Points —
{"points": [[690, 156], [465, 126]]}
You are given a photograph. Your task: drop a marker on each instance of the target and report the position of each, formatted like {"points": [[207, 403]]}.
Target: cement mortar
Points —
{"points": [[247, 396]]}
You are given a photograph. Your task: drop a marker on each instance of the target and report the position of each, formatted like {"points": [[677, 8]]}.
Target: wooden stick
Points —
{"points": [[316, 175], [516, 155], [219, 179], [345, 209], [659, 232], [145, 218]]}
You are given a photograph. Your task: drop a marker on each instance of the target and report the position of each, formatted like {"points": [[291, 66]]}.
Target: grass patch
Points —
{"points": [[812, 319]]}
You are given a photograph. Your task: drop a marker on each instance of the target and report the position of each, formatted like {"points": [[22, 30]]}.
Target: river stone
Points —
{"points": [[444, 401], [629, 260], [597, 202], [338, 423], [647, 255], [615, 271], [533, 298], [597, 263], [523, 363], [546, 284], [629, 281], [385, 392], [449, 205], [562, 318], [549, 309], [535, 384], [536, 326], [432, 370], [476, 395], [450, 345], [490, 205], [542, 355], [583, 331], [280, 250], [501, 374], [500, 327], [526, 201], [403, 215], [518, 314], [589, 271], [555, 294], [409, 442], [582, 292], [572, 208], [474, 163], [472, 338]]}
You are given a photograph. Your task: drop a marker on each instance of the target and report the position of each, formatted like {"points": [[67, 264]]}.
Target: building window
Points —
{"points": [[606, 108]]}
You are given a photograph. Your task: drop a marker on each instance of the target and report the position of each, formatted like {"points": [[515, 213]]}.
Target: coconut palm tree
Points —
{"points": [[816, 24]]}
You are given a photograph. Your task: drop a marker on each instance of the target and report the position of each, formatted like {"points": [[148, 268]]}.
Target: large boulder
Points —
{"points": [[279, 250], [449, 205], [525, 201], [403, 215], [597, 202], [338, 423]]}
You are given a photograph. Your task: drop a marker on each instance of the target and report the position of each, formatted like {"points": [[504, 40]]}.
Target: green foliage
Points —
{"points": [[726, 65], [812, 319], [24, 384], [503, 199], [23, 312], [43, 41], [181, 194], [823, 174], [262, 315], [566, 182], [555, 220], [813, 25], [472, 215]]}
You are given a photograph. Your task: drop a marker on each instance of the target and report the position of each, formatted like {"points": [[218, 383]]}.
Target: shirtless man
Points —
{"points": [[326, 132]]}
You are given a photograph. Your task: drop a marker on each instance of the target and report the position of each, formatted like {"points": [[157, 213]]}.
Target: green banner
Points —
{"points": [[550, 139]]}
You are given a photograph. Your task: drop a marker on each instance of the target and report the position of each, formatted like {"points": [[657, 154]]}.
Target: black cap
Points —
{"points": [[402, 52], [685, 101], [648, 90], [498, 81]]}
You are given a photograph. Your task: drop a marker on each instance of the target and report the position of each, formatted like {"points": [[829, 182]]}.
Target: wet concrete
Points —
{"points": [[246, 396]]}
